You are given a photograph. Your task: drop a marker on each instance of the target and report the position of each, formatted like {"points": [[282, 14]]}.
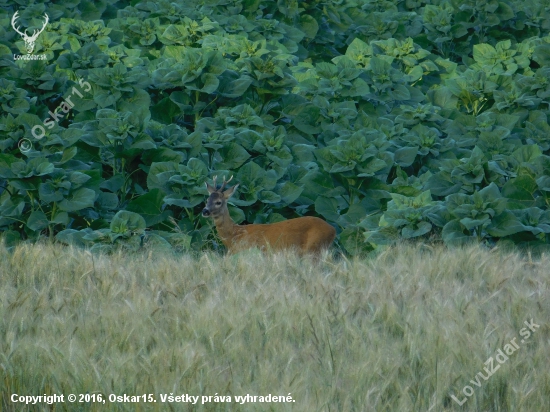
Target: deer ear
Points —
{"points": [[227, 194]]}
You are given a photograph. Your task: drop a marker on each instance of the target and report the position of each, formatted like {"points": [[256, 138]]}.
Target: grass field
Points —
{"points": [[403, 331]]}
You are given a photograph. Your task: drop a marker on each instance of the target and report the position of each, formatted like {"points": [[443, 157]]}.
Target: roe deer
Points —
{"points": [[308, 235]]}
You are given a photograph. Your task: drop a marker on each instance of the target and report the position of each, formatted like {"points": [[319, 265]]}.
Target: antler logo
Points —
{"points": [[29, 40]]}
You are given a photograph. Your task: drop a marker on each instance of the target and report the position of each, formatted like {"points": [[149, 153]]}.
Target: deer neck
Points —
{"points": [[225, 227]]}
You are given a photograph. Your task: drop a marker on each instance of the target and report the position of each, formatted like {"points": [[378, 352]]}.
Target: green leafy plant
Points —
{"points": [[390, 120]]}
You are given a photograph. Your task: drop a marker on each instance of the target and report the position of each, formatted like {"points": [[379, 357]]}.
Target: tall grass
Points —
{"points": [[399, 332]]}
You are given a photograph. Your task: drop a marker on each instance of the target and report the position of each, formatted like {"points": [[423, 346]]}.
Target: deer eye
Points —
{"points": [[218, 202]]}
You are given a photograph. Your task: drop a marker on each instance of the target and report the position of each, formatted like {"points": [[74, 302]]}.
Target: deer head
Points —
{"points": [[216, 205], [29, 40]]}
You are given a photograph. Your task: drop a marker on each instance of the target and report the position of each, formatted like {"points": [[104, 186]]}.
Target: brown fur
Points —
{"points": [[308, 235]]}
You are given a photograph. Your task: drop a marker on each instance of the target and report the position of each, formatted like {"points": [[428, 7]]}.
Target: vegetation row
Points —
{"points": [[388, 119]]}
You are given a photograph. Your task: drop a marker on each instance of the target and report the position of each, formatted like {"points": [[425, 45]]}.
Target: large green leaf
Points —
{"points": [[505, 224], [233, 155], [453, 234], [541, 54], [150, 207], [233, 84], [309, 25], [420, 229], [37, 220], [125, 221], [520, 191], [78, 200], [405, 156], [327, 207], [289, 192]]}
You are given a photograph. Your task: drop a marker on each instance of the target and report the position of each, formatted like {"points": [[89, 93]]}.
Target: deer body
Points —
{"points": [[308, 235]]}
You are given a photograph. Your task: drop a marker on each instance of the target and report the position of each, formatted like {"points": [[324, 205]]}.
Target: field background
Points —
{"points": [[394, 121], [401, 331]]}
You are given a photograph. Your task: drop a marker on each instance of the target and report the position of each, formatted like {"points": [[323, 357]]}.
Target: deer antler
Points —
{"points": [[225, 182], [13, 24], [214, 187], [37, 32]]}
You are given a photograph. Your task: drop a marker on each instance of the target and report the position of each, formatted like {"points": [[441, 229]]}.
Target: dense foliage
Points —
{"points": [[387, 118]]}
